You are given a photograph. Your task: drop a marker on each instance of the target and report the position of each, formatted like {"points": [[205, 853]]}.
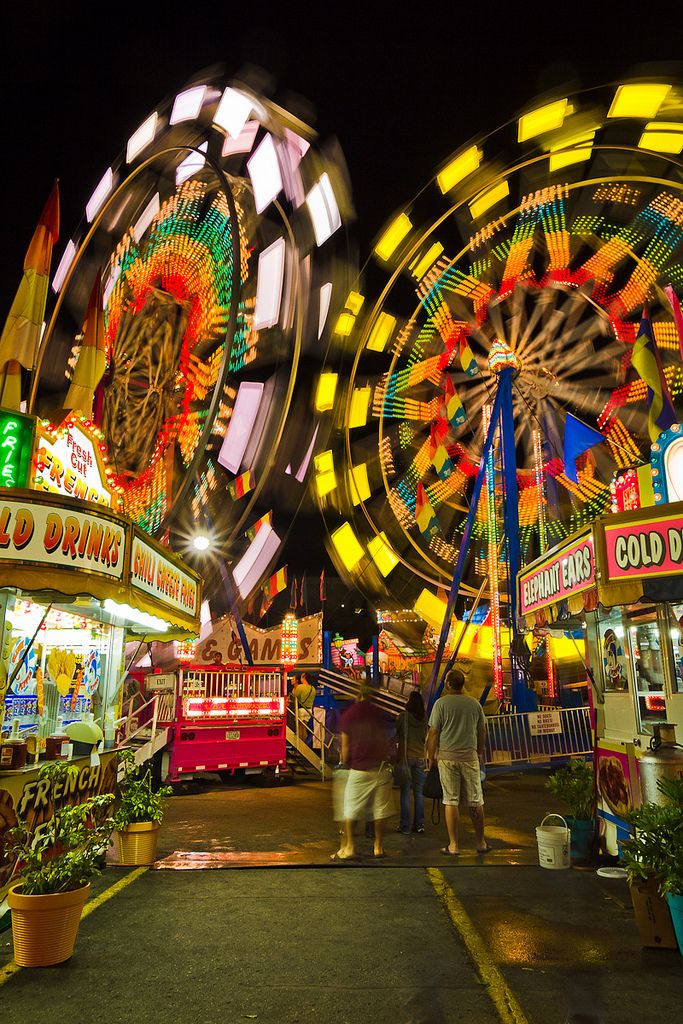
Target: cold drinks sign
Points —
{"points": [[652, 547], [569, 571]]}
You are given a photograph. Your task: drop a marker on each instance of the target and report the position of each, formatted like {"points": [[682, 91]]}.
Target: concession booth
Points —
{"points": [[621, 581], [78, 582]]}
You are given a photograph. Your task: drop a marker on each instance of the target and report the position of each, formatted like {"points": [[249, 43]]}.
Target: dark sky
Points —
{"points": [[401, 89]]}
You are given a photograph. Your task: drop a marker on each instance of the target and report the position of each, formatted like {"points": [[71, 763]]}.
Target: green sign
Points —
{"points": [[16, 448]]}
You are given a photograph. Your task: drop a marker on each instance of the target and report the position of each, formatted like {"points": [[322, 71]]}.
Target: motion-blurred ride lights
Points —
{"points": [[187, 104], [232, 113], [484, 203], [264, 171], [662, 137], [325, 480], [323, 209], [98, 197], [141, 138], [359, 483], [325, 392], [347, 546], [544, 119], [393, 236], [382, 555], [381, 332], [233, 707], [638, 99], [459, 168], [431, 608], [360, 402]]}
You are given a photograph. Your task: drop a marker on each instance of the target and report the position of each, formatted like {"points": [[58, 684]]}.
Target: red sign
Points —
{"points": [[568, 571], [644, 548]]}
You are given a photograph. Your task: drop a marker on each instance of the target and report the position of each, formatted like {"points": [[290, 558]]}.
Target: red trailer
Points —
{"points": [[221, 719]]}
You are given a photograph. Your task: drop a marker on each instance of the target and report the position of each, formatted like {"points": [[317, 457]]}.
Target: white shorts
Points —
{"points": [[365, 789], [461, 775]]}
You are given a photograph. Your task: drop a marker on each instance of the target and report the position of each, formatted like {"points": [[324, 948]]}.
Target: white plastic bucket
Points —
{"points": [[553, 844]]}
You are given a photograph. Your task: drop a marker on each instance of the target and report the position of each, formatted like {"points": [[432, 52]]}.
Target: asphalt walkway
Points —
{"points": [[474, 941]]}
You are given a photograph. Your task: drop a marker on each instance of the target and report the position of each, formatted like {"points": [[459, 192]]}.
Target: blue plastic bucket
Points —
{"points": [[581, 837], [676, 907]]}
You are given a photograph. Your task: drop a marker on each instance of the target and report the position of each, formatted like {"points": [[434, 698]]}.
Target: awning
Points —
{"points": [[54, 545]]}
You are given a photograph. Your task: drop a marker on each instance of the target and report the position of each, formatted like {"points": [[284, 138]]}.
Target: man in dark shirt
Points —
{"points": [[366, 737]]}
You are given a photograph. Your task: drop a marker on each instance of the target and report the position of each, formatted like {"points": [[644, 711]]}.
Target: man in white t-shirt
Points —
{"points": [[457, 730]]}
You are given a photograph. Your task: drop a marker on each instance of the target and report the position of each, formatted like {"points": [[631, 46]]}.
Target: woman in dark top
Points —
{"points": [[411, 733]]}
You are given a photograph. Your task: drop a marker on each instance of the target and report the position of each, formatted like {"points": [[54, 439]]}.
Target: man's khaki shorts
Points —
{"points": [[461, 776], [365, 790]]}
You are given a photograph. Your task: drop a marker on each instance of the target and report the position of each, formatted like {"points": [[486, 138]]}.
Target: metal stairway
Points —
{"points": [[346, 686]]}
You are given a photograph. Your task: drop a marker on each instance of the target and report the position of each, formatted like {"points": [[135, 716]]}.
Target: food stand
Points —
{"points": [[621, 580], [77, 580]]}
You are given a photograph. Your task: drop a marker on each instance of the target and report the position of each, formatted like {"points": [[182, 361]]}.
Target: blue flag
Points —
{"points": [[578, 438]]}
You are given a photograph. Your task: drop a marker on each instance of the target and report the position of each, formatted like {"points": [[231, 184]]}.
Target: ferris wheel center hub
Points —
{"points": [[502, 357]]}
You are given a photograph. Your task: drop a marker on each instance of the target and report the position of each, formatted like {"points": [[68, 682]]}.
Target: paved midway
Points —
{"points": [[480, 940]]}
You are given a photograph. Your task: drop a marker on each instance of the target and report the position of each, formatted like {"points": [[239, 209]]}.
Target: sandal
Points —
{"points": [[450, 853], [339, 857], [486, 849]]}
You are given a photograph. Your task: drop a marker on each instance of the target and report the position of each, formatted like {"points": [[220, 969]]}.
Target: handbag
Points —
{"points": [[433, 789]]}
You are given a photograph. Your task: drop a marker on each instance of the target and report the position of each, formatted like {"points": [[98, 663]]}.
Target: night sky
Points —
{"points": [[400, 90]]}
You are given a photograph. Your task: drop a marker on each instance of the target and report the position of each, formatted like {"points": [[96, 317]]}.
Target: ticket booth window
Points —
{"points": [[647, 665], [613, 650], [676, 637]]}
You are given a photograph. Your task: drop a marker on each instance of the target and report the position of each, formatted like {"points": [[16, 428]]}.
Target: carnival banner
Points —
{"points": [[222, 646], [644, 547], [60, 536], [162, 578], [567, 571]]}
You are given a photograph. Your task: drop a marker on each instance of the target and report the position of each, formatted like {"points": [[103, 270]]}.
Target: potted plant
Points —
{"points": [[574, 784], [138, 815], [653, 859], [56, 863]]}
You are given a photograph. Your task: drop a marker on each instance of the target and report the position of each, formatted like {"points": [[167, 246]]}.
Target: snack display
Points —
{"points": [[613, 785]]}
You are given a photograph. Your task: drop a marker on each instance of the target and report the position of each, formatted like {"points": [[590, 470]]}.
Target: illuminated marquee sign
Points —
{"points": [[68, 462], [568, 571], [645, 547], [159, 576], [59, 537], [16, 445]]}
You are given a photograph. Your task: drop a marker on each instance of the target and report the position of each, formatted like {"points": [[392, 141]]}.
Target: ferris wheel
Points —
{"points": [[533, 250], [218, 240]]}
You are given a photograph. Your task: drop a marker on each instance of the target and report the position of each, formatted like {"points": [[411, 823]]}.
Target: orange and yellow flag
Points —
{"points": [[92, 359], [21, 334]]}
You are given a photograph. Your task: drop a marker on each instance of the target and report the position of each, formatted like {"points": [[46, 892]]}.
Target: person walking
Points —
{"points": [[411, 733], [457, 731], [303, 695], [367, 748]]}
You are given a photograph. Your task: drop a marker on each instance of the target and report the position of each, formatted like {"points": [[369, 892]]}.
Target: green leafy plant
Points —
{"points": [[65, 852], [574, 784], [138, 801], [655, 849]]}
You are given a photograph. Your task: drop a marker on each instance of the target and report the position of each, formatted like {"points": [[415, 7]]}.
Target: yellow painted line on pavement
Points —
{"points": [[9, 970], [507, 1007]]}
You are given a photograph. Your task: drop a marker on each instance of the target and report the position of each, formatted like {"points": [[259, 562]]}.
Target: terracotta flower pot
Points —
{"points": [[44, 928], [137, 844]]}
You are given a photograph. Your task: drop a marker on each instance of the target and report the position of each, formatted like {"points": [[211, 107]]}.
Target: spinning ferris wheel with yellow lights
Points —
{"points": [[511, 290]]}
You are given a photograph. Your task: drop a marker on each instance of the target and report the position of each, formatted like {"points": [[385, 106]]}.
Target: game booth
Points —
{"points": [[78, 580], [621, 582]]}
